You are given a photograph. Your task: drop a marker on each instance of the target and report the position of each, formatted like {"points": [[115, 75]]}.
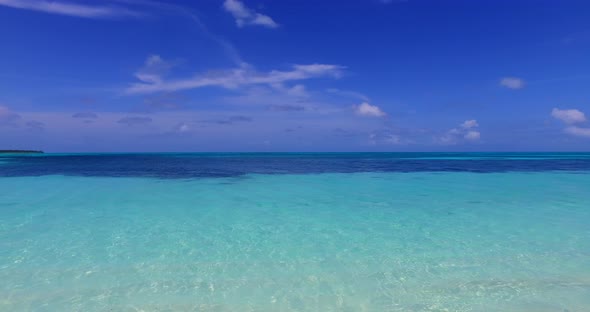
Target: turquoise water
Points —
{"points": [[333, 241]]}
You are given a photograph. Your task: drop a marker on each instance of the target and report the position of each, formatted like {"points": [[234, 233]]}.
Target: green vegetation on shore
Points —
{"points": [[20, 152]]}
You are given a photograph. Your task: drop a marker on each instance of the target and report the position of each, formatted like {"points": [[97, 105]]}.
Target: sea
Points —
{"points": [[295, 232]]}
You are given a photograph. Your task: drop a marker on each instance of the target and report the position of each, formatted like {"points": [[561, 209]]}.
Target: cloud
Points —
{"points": [[72, 9], [512, 83], [466, 131], [85, 115], [468, 124], [152, 81], [295, 91], [578, 131], [134, 121], [11, 119], [472, 135], [153, 69], [350, 94], [178, 130], [366, 109], [387, 136], [393, 139], [568, 116], [182, 127], [245, 16], [298, 91], [572, 117]]}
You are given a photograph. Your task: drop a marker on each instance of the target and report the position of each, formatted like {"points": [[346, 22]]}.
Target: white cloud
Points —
{"points": [[245, 16], [386, 136], [512, 83], [298, 90], [572, 117], [393, 139], [153, 69], [568, 116], [281, 100], [578, 131], [465, 131], [472, 135], [366, 109], [182, 127], [71, 9], [468, 124], [151, 77]]}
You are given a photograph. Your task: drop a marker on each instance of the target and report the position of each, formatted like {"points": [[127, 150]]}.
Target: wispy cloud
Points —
{"points": [[193, 16], [72, 9], [154, 69], [472, 135], [298, 90], [466, 131], [366, 109], [578, 131], [386, 137], [349, 94], [152, 80], [245, 16], [123, 9], [512, 83], [469, 124], [182, 127]]}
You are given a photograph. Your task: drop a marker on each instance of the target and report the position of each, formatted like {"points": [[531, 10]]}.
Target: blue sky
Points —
{"points": [[295, 75]]}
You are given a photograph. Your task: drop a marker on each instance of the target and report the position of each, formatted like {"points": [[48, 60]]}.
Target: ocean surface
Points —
{"points": [[295, 232]]}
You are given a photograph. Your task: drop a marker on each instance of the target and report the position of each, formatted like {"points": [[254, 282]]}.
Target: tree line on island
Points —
{"points": [[20, 152]]}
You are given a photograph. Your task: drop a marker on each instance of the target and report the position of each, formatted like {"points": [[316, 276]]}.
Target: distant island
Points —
{"points": [[20, 152]]}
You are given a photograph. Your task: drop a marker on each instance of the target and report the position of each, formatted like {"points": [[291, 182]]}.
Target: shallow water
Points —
{"points": [[299, 238]]}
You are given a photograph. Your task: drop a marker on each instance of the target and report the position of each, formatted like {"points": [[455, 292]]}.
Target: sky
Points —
{"points": [[294, 75]]}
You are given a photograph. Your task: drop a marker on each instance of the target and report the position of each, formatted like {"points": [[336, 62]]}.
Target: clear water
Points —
{"points": [[295, 233]]}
